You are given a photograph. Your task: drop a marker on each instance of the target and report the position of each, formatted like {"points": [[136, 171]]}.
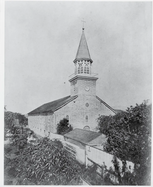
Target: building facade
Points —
{"points": [[82, 107]]}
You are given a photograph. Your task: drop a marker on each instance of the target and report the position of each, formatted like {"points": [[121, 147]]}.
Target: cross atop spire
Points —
{"points": [[83, 51]]}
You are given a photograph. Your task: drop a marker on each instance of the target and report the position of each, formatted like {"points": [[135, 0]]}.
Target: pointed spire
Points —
{"points": [[83, 51]]}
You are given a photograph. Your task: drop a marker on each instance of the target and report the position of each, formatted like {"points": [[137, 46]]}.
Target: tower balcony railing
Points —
{"points": [[83, 74]]}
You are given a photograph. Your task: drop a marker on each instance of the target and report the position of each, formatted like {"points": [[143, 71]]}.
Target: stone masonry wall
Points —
{"points": [[83, 111], [42, 124], [79, 86]]}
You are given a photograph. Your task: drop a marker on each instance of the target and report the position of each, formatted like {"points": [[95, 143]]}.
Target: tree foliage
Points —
{"points": [[19, 138], [63, 126], [15, 129], [129, 137], [47, 162], [14, 122], [10, 119]]}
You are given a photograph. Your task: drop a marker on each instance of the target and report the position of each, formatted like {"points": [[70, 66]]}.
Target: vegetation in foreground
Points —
{"points": [[129, 138], [39, 161], [64, 127], [44, 161]]}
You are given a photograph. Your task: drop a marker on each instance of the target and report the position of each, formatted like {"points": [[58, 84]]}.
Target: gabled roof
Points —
{"points": [[81, 135], [53, 106], [113, 110], [119, 111], [99, 141], [83, 51]]}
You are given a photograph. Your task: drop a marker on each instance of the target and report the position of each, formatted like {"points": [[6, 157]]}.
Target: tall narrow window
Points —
{"points": [[80, 68], [86, 118], [48, 134], [87, 70]]}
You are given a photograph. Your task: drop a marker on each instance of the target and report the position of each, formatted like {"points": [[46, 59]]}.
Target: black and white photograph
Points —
{"points": [[77, 93]]}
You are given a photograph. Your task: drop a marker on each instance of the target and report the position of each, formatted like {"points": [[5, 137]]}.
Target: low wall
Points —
{"points": [[75, 151], [102, 158], [56, 136]]}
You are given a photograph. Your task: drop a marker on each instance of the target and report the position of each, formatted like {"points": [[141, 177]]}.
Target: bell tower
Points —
{"points": [[83, 61], [83, 81]]}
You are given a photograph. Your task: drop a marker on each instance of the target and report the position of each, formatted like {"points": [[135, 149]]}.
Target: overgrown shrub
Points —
{"points": [[45, 163], [129, 138], [64, 127]]}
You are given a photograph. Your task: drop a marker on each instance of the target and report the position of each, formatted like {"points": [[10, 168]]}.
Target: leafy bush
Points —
{"points": [[117, 168], [44, 163], [20, 141], [12, 120], [63, 126], [129, 138], [90, 175]]}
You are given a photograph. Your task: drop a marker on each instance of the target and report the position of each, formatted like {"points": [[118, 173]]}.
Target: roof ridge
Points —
{"points": [[56, 100], [86, 130], [73, 97], [48, 103], [106, 104], [53, 105], [82, 135]]}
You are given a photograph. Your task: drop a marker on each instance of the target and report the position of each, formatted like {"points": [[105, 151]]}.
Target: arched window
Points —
{"points": [[67, 117], [86, 128], [48, 134], [87, 70], [86, 118], [80, 68]]}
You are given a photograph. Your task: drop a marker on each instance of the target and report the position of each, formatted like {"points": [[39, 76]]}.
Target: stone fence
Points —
{"points": [[104, 159]]}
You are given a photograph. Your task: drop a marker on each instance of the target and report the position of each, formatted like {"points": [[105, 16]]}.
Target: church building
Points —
{"points": [[82, 107]]}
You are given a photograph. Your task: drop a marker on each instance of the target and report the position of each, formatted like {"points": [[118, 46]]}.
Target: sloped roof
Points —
{"points": [[100, 140], [81, 135], [113, 110], [57, 104], [83, 51], [119, 111], [53, 106]]}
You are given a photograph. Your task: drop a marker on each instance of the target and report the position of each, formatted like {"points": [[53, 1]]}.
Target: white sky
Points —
{"points": [[41, 41]]}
